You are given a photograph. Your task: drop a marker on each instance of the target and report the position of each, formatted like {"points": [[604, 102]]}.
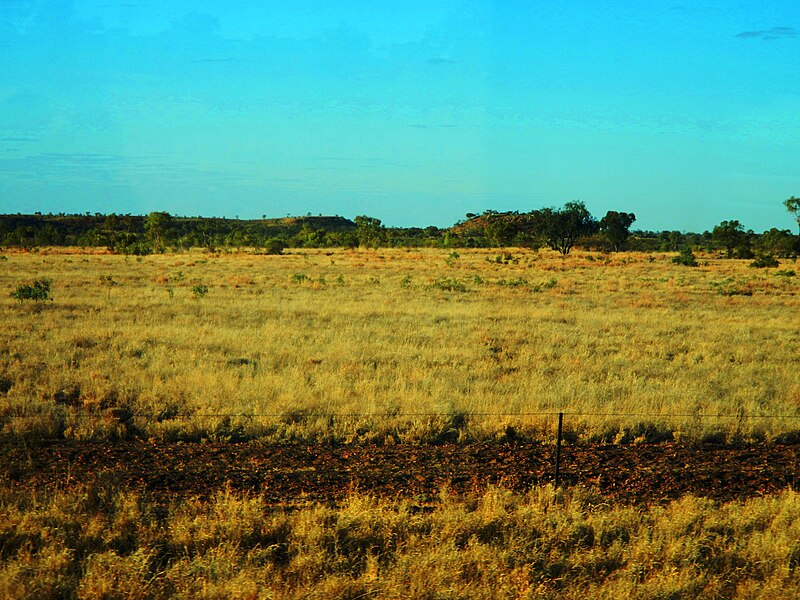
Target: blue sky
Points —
{"points": [[413, 112]]}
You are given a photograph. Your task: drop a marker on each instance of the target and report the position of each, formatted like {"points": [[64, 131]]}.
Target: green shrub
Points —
{"points": [[764, 261], [515, 282], [685, 258], [38, 291], [274, 246], [199, 290], [108, 282], [503, 258], [449, 285], [451, 260]]}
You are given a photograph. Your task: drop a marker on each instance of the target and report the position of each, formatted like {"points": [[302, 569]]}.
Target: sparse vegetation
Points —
{"points": [[689, 346]]}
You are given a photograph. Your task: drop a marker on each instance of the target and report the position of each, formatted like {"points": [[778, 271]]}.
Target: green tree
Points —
{"points": [[158, 227], [369, 231], [47, 235], [732, 236], [778, 242], [561, 228], [793, 206], [616, 227], [500, 229]]}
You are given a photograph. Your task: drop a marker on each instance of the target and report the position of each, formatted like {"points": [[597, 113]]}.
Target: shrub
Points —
{"points": [[449, 285], [451, 260], [38, 291], [763, 261], [300, 278], [199, 291], [515, 282], [108, 282], [685, 258], [274, 246], [503, 258]]}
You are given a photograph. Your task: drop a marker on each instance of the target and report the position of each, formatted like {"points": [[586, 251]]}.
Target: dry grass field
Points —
{"points": [[96, 541], [393, 346], [628, 345]]}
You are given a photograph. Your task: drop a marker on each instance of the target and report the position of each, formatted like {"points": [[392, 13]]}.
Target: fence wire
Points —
{"points": [[309, 414]]}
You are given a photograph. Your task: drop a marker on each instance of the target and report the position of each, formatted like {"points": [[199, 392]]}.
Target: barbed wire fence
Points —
{"points": [[553, 426]]}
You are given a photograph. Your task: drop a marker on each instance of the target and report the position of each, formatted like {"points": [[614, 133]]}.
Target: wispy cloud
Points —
{"points": [[776, 33], [89, 167], [441, 61]]}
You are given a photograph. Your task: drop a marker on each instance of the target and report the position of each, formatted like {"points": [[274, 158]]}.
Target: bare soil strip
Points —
{"points": [[289, 474]]}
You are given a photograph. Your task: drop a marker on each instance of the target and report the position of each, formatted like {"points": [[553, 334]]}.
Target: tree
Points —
{"points": [[616, 227], [369, 230], [157, 225], [778, 242], [670, 241], [732, 236], [793, 206], [499, 228], [561, 228]]}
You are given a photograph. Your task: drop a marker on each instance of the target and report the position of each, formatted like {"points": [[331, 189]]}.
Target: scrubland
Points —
{"points": [[398, 345]]}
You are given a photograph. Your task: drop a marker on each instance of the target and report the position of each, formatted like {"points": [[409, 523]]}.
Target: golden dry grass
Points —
{"points": [[395, 334], [96, 541]]}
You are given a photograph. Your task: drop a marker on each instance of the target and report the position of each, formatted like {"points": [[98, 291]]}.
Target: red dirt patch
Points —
{"points": [[296, 473]]}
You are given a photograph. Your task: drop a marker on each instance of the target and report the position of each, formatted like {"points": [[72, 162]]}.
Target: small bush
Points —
{"points": [[38, 291], [515, 282], [274, 246], [685, 258], [449, 285], [785, 273], [108, 282], [764, 261], [503, 259], [199, 291]]}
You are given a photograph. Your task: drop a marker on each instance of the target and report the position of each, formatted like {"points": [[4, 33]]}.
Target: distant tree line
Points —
{"points": [[561, 229]]}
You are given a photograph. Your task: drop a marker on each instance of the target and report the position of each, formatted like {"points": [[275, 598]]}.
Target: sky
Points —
{"points": [[414, 112]]}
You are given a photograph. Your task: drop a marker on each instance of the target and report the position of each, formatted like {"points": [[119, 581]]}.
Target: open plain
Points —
{"points": [[369, 423]]}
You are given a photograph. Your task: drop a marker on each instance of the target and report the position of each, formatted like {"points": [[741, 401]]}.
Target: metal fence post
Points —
{"points": [[558, 445]]}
